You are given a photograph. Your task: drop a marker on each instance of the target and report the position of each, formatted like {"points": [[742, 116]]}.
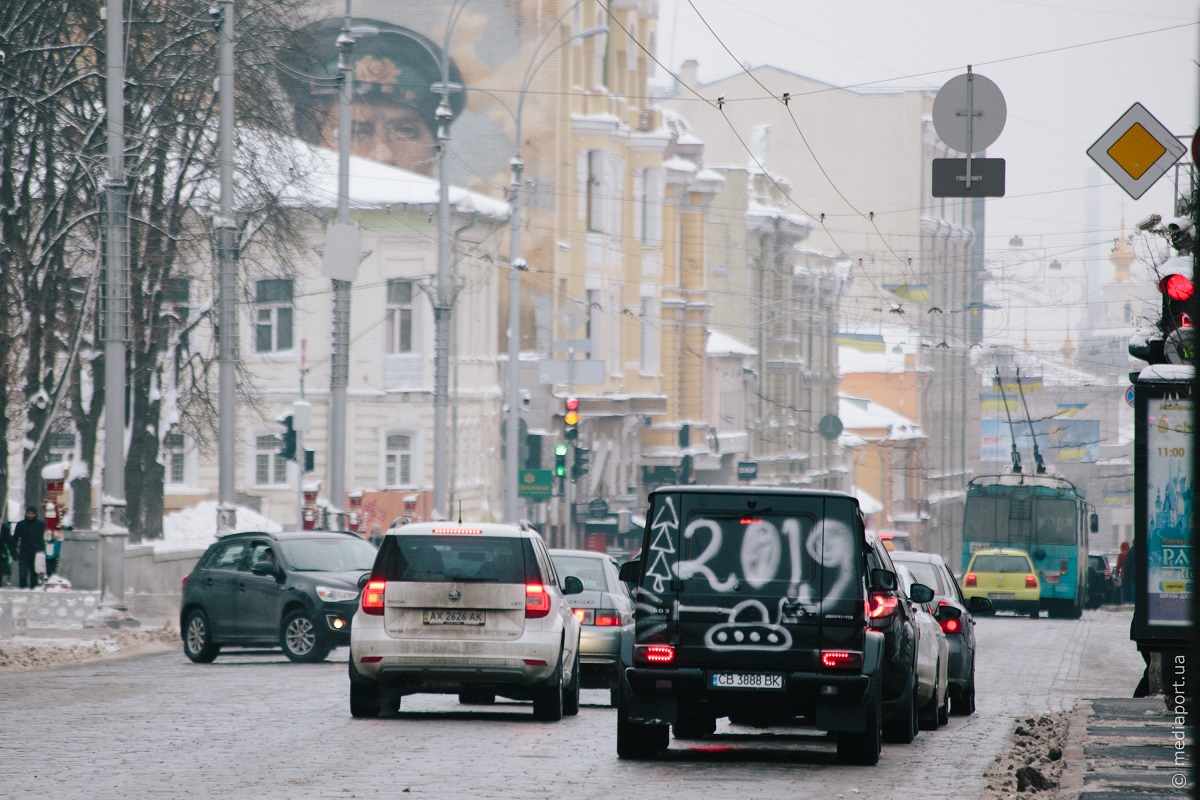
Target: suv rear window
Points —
{"points": [[1000, 564], [451, 559]]}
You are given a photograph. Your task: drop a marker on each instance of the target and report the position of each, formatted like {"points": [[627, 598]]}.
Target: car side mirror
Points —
{"points": [[631, 571], [1094, 523], [572, 585], [883, 579], [363, 580], [951, 612], [265, 568], [920, 593], [979, 605]]}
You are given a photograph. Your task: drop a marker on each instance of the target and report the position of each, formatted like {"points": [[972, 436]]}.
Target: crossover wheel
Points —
{"points": [[548, 697], [863, 747], [197, 639], [364, 695], [571, 692], [944, 711], [636, 741], [902, 728], [300, 639]]}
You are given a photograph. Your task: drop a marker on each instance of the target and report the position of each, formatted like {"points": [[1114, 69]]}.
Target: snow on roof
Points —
{"points": [[859, 413], [868, 503], [720, 344], [680, 165], [376, 186]]}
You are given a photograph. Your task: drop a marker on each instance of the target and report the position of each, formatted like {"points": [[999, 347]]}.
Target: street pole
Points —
{"points": [[516, 266], [115, 319], [339, 356], [227, 256]]}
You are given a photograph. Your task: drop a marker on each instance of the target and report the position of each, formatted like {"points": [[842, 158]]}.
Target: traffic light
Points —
{"points": [[579, 464], [288, 450], [560, 460], [1178, 311], [571, 419]]}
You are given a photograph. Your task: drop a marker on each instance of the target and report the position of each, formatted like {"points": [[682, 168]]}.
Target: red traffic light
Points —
{"points": [[1177, 287], [571, 416]]}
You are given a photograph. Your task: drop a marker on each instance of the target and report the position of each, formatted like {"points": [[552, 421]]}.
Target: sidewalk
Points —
{"points": [[1129, 750]]}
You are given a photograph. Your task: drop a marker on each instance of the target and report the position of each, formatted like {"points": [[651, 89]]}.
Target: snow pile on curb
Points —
{"points": [[1034, 764], [24, 653]]}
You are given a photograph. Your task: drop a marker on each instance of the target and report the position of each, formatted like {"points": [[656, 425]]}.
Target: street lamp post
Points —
{"points": [[517, 265]]}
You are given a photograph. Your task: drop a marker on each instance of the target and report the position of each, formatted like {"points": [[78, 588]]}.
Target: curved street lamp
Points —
{"points": [[517, 264]]}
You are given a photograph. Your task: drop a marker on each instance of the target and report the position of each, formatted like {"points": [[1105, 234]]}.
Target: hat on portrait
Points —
{"points": [[396, 65]]}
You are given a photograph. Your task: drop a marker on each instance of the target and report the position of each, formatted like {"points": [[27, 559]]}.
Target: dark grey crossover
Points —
{"points": [[295, 590]]}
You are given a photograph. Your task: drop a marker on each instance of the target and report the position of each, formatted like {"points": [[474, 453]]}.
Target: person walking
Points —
{"points": [[29, 534], [8, 552]]}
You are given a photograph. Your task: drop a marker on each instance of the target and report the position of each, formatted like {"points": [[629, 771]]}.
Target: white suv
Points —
{"points": [[469, 609]]}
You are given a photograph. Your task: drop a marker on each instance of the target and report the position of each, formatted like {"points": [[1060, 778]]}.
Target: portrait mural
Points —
{"points": [[393, 114]]}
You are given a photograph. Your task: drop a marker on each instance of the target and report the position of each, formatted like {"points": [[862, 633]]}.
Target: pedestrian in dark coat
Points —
{"points": [[8, 552], [29, 534]]}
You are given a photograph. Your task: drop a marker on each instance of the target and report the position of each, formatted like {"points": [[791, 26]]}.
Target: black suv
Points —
{"points": [[296, 590], [751, 603]]}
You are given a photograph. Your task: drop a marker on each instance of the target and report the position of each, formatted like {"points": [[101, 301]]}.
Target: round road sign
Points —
{"points": [[988, 112], [830, 427]]}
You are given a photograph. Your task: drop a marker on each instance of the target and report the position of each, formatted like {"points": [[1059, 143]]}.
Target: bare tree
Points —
{"points": [[53, 135]]}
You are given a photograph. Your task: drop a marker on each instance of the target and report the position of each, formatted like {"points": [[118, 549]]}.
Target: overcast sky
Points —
{"points": [[1068, 70]]}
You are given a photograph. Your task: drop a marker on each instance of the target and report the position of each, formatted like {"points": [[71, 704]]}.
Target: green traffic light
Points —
{"points": [[560, 449], [560, 470]]}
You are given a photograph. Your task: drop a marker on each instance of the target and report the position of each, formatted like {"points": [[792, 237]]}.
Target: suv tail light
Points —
{"points": [[950, 625], [537, 601], [1031, 581], [970, 580], [657, 654], [372, 597], [841, 659], [882, 606], [185, 577]]}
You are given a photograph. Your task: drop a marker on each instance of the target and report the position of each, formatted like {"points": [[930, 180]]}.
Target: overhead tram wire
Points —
{"points": [[820, 220]]}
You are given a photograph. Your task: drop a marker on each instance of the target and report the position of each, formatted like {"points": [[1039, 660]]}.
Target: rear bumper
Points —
{"points": [[600, 647], [830, 702], [416, 665]]}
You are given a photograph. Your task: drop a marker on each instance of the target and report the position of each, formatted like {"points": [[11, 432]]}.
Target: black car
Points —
{"points": [[1103, 585], [958, 625], [295, 590], [891, 614], [750, 603]]}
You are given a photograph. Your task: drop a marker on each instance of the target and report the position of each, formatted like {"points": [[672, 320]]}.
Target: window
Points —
{"points": [[651, 362], [595, 191], [273, 315], [399, 317], [173, 457], [593, 331], [270, 468], [226, 556], [397, 460], [647, 206], [62, 448]]}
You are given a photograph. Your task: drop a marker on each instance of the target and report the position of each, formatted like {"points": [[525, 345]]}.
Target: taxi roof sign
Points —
{"points": [[1136, 150]]}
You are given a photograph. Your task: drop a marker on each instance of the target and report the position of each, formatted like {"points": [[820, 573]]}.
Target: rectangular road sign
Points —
{"points": [[987, 177], [535, 484], [1136, 150]]}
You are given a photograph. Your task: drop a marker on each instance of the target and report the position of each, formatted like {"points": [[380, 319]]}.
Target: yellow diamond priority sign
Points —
{"points": [[1136, 150]]}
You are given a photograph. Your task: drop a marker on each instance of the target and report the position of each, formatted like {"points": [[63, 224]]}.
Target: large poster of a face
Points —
{"points": [[394, 119]]}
